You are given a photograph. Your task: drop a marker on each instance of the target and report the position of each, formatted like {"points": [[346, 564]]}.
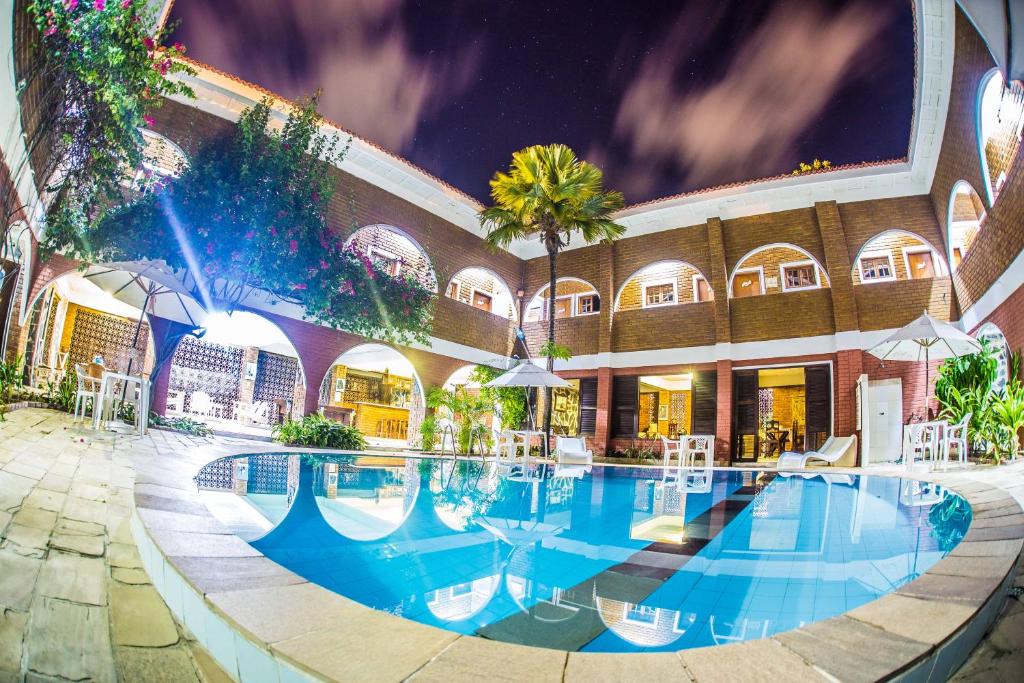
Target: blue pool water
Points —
{"points": [[613, 560]]}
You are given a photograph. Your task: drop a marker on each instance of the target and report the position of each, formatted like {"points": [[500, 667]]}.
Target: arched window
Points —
{"points": [[665, 283], [161, 159], [396, 251], [997, 342], [482, 289], [1000, 117], [573, 298], [965, 219], [896, 255], [776, 268]]}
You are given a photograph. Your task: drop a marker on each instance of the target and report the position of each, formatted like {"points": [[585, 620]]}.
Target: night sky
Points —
{"points": [[666, 97]]}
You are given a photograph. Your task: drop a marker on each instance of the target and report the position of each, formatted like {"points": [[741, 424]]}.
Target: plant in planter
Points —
{"points": [[466, 409], [320, 432], [248, 216]]}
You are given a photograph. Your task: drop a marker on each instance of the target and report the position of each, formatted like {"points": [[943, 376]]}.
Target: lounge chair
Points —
{"points": [[834, 448], [572, 451]]}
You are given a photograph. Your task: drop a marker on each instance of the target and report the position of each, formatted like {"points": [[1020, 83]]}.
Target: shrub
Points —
{"points": [[428, 433], [318, 431], [181, 424]]}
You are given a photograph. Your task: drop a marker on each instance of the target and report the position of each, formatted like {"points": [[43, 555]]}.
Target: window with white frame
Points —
{"points": [[587, 304], [662, 293], [876, 266], [389, 262], [799, 275]]}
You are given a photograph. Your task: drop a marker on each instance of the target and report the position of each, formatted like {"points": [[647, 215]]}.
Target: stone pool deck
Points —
{"points": [[77, 604]]}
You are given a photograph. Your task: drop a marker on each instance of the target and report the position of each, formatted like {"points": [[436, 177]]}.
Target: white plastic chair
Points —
{"points": [[671, 449], [200, 404], [955, 436], [88, 387], [572, 450], [698, 450], [834, 448]]}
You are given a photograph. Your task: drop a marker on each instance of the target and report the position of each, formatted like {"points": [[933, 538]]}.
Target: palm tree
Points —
{"points": [[550, 193]]}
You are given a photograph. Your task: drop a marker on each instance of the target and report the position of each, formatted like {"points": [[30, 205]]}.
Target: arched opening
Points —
{"points": [[242, 376], [482, 289], [396, 251], [896, 255], [76, 320], [161, 159], [991, 334], [665, 283], [376, 389], [1000, 117], [774, 269], [15, 274], [573, 298], [965, 219]]}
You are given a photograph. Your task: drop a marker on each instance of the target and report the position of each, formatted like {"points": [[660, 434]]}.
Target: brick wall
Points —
{"points": [[798, 227], [580, 334], [464, 324], [380, 241], [779, 316], [678, 272], [884, 305], [664, 328], [894, 244], [770, 261]]}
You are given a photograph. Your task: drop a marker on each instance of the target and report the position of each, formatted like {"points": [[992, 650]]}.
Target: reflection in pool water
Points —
{"points": [[609, 560]]}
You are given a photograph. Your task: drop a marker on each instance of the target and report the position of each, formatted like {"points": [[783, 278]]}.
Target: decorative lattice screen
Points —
{"points": [[212, 368], [108, 336]]}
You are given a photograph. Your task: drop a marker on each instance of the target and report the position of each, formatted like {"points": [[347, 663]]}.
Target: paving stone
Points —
{"points": [[47, 500], [12, 635], [135, 577], [85, 510], [83, 545], [735, 662], [471, 658], [13, 489], [219, 574], [25, 470], [55, 482], [155, 665], [74, 578], [1008, 634], [209, 670], [73, 527], [36, 518], [69, 640], [928, 621], [25, 537], [140, 617], [123, 555]]}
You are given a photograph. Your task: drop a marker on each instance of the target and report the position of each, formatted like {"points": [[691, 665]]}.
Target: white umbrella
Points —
{"points": [[925, 339], [527, 375], [150, 286]]}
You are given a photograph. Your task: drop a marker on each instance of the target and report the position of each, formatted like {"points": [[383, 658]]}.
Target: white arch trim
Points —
{"points": [[406, 235], [147, 133], [949, 217], [498, 278], [341, 356], [900, 231], [979, 134], [776, 245], [638, 271], [540, 291]]}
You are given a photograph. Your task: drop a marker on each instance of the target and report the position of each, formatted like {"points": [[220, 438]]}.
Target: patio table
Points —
{"points": [[107, 384]]}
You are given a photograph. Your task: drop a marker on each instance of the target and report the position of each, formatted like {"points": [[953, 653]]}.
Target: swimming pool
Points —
{"points": [[611, 560]]}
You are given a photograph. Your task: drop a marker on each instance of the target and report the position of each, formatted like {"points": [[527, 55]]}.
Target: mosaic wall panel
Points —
{"points": [[96, 333], [215, 476], [268, 474], [201, 366], [275, 377]]}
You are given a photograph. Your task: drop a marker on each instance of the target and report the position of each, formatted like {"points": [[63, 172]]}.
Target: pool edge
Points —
{"points": [[251, 641]]}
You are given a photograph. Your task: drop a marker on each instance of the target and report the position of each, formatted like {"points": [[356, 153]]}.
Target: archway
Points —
{"points": [[161, 159], [377, 389], [482, 289], [896, 255], [243, 375], [396, 251], [1000, 116], [573, 298], [663, 283], [965, 219], [776, 268]]}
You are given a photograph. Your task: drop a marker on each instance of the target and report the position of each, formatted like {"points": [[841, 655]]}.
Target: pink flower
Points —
{"points": [[125, 4], [293, 246], [299, 286], [273, 231], [99, 5], [50, 30], [149, 120], [178, 47], [209, 247], [148, 42], [249, 235], [70, 5], [323, 264]]}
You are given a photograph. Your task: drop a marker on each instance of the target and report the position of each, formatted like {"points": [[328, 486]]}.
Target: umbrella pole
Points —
{"points": [[135, 341], [927, 381]]}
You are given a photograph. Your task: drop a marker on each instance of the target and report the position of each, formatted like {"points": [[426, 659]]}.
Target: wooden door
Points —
{"points": [[920, 264], [625, 394], [482, 301], [818, 391], [744, 415], [588, 405], [563, 308], [705, 402], [746, 284], [703, 290]]}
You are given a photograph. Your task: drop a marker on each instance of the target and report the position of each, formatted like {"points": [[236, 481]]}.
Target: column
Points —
{"points": [[723, 427], [719, 283], [837, 265], [604, 406]]}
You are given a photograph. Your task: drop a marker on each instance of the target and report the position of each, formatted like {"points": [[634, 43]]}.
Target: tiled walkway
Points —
{"points": [[77, 606]]}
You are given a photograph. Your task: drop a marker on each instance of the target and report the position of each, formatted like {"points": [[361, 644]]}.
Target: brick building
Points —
{"points": [[741, 311]]}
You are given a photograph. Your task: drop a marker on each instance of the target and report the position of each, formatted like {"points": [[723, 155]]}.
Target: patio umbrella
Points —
{"points": [[926, 339], [527, 375]]}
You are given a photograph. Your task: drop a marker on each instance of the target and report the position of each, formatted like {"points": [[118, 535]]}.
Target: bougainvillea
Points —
{"points": [[249, 211]]}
